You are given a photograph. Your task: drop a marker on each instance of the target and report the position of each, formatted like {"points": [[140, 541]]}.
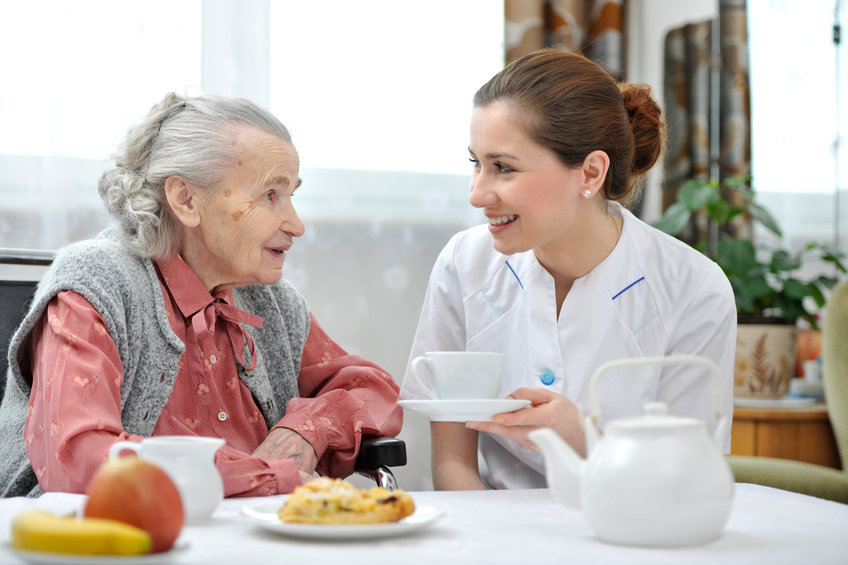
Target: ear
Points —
{"points": [[595, 167], [184, 200]]}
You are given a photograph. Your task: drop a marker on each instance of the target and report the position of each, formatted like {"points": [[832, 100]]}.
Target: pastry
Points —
{"points": [[334, 501]]}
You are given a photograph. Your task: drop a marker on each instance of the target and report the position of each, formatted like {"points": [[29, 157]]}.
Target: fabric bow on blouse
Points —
{"points": [[204, 321]]}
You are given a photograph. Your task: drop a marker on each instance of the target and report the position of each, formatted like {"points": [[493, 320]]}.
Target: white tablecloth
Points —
{"points": [[766, 526]]}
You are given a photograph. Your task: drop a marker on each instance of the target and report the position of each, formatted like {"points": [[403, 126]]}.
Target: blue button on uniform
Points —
{"points": [[547, 377]]}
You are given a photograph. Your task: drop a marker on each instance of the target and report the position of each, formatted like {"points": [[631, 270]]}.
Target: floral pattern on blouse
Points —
{"points": [[74, 413]]}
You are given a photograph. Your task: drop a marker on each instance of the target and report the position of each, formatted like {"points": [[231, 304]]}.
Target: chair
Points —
{"points": [[15, 297], [808, 478], [376, 454]]}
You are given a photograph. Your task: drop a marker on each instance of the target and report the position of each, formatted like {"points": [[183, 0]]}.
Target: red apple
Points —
{"points": [[139, 493]]}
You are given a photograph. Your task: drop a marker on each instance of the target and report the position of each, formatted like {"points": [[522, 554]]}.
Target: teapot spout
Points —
{"points": [[563, 467]]}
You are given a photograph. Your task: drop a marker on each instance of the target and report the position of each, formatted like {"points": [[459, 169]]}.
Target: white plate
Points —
{"points": [[774, 402], [45, 558], [265, 516], [464, 410]]}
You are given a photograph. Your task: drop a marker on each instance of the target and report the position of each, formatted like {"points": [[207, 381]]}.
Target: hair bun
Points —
{"points": [[647, 124]]}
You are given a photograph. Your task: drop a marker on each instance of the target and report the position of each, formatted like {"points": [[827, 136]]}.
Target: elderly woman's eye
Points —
{"points": [[269, 196]]}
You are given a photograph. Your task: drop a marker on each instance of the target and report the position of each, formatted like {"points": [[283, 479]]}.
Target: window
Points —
{"points": [[799, 109], [76, 75], [377, 97]]}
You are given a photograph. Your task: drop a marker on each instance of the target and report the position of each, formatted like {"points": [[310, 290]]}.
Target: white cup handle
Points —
{"points": [[414, 373], [116, 449]]}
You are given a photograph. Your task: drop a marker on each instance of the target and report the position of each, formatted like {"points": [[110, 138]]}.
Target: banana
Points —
{"points": [[34, 530]]}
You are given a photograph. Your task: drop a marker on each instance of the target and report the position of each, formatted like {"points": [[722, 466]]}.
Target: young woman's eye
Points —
{"points": [[503, 168], [474, 162]]}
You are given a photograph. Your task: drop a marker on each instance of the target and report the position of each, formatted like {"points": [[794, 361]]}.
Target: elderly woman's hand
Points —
{"points": [[283, 443]]}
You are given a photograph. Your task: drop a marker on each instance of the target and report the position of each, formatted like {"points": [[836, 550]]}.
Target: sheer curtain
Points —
{"points": [[799, 88], [75, 76], [377, 96]]}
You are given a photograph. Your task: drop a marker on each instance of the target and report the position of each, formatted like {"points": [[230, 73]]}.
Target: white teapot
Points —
{"points": [[656, 480]]}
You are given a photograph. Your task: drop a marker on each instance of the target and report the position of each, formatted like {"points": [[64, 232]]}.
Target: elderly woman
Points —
{"points": [[176, 321]]}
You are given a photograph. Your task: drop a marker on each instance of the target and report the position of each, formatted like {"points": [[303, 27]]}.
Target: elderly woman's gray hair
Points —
{"points": [[180, 136]]}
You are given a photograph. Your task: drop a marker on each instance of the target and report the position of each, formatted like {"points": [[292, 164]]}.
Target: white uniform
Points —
{"points": [[652, 296]]}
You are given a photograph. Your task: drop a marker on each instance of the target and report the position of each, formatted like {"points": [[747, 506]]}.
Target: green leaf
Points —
{"points": [[744, 303], [736, 255], [756, 286], [830, 255], [792, 309], [674, 220], [764, 217], [718, 211], [738, 183], [694, 195], [734, 211], [793, 288], [781, 260], [817, 295], [825, 281]]}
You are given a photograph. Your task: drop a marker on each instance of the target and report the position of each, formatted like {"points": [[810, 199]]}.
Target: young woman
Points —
{"points": [[563, 277]]}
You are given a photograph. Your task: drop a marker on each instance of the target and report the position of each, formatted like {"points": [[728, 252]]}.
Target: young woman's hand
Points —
{"points": [[547, 410]]}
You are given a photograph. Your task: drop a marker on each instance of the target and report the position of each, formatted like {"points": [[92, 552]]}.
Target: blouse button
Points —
{"points": [[222, 416], [213, 359], [547, 377]]}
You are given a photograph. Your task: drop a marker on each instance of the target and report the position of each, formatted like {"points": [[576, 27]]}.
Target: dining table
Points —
{"points": [[765, 525]]}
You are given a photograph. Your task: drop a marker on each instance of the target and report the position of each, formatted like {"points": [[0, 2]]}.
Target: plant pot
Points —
{"points": [[765, 359]]}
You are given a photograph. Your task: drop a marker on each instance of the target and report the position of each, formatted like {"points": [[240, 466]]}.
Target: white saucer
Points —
{"points": [[265, 515], [462, 410]]}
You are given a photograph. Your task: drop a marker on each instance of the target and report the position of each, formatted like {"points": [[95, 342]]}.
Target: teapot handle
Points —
{"points": [[670, 360]]}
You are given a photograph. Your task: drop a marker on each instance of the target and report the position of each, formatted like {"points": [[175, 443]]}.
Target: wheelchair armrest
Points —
{"points": [[376, 455], [377, 452]]}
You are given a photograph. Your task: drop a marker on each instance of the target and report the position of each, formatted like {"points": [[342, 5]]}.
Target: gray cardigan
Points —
{"points": [[126, 292]]}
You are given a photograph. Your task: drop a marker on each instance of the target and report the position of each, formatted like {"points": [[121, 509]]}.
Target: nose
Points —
{"points": [[481, 194], [292, 223]]}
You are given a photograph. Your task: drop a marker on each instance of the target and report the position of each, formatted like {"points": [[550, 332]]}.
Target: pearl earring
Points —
{"points": [[587, 194]]}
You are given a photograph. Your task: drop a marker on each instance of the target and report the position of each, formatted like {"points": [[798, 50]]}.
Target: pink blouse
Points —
{"points": [[74, 413]]}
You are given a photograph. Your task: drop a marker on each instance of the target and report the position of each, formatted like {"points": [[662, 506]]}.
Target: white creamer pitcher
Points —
{"points": [[190, 463]]}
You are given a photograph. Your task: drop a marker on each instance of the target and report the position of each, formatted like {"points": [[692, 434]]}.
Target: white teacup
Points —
{"points": [[189, 461], [448, 375]]}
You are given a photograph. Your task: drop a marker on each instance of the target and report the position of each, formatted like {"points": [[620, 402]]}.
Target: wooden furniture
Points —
{"points": [[801, 433]]}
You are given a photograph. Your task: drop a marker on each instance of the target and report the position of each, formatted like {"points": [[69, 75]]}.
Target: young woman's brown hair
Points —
{"points": [[572, 106]]}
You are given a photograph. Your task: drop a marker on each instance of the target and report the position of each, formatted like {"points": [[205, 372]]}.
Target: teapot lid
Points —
{"points": [[656, 418]]}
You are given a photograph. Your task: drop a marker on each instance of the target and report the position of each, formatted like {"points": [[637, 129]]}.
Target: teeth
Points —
{"points": [[501, 220]]}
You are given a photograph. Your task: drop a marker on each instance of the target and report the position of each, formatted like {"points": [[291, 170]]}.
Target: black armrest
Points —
{"points": [[376, 455], [377, 452]]}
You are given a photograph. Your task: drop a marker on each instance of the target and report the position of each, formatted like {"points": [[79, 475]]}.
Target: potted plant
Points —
{"points": [[771, 296]]}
